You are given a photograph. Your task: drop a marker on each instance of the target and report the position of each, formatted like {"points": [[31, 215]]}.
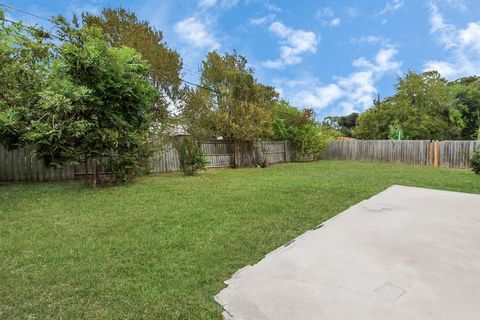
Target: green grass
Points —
{"points": [[161, 248]]}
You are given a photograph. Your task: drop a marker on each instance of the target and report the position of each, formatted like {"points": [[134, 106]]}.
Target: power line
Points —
{"points": [[190, 70], [31, 28], [24, 12], [53, 36], [200, 86]]}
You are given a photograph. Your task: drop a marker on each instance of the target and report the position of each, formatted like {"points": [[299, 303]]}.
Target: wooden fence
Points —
{"points": [[456, 154], [22, 165], [452, 154]]}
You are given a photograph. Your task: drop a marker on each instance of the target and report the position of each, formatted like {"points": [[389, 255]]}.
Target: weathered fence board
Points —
{"points": [[22, 164], [387, 151], [456, 154]]}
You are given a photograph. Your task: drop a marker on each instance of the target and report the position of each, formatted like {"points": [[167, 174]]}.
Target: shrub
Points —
{"points": [[475, 162], [191, 156]]}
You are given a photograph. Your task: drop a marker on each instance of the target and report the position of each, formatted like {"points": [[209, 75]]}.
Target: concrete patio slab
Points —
{"points": [[406, 253]]}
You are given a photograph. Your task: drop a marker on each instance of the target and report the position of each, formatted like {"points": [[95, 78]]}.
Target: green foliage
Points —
{"points": [[300, 127], [344, 124], [24, 59], [198, 114], [475, 162], [122, 28], [236, 107], [92, 100], [421, 106], [395, 132], [466, 109], [191, 156]]}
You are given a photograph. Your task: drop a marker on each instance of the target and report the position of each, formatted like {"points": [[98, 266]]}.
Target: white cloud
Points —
{"points": [[327, 17], [272, 7], [352, 12], [371, 40], [225, 4], [320, 97], [392, 6], [354, 92], [334, 22], [462, 47], [294, 43], [195, 32], [262, 20], [457, 4], [207, 3]]}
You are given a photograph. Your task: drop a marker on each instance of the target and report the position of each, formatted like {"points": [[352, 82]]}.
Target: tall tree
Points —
{"points": [[467, 104], [231, 104], [301, 128], [123, 28], [25, 55], [96, 99], [421, 108], [345, 124]]}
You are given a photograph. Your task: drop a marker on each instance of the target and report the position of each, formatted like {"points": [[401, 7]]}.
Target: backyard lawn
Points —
{"points": [[162, 247]]}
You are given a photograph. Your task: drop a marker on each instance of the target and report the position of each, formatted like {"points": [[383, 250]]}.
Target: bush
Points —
{"points": [[475, 162], [191, 156]]}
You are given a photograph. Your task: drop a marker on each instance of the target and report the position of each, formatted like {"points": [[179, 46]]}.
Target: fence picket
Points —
{"points": [[22, 165]]}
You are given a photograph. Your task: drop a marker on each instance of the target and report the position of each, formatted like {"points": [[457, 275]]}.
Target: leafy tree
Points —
{"points": [[421, 107], [344, 124], [475, 162], [191, 156], [25, 55], [467, 105], [241, 107], [396, 132], [122, 28], [96, 100], [287, 116], [375, 122], [198, 115], [301, 128]]}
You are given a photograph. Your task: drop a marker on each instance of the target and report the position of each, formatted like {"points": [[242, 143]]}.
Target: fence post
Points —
{"points": [[430, 153], [436, 162], [285, 149]]}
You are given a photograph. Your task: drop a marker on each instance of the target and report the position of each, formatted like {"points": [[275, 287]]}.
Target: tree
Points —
{"points": [[374, 123], [96, 101], [242, 107], [467, 105], [230, 103], [344, 124], [301, 128], [25, 55], [122, 28], [421, 108]]}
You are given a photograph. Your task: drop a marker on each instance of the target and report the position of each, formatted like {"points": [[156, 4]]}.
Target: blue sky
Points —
{"points": [[333, 56]]}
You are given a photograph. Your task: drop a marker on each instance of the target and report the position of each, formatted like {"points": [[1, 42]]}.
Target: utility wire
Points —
{"points": [[54, 36], [24, 12], [31, 28], [190, 70]]}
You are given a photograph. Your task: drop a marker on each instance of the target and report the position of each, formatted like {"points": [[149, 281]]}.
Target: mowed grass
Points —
{"points": [[161, 248]]}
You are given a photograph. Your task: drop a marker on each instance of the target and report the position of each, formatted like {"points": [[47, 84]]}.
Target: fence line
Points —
{"points": [[451, 154], [456, 154], [22, 165], [413, 152]]}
